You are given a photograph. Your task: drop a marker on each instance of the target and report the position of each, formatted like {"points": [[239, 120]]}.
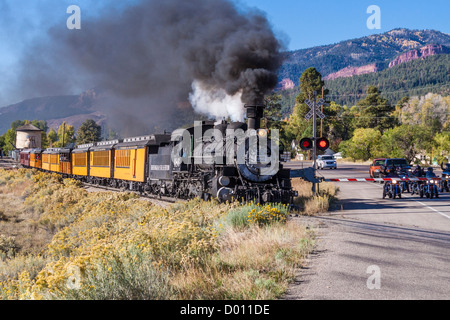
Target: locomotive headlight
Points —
{"points": [[262, 133], [224, 181], [394, 181]]}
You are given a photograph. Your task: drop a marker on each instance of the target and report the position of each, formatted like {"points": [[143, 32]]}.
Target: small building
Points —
{"points": [[28, 137]]}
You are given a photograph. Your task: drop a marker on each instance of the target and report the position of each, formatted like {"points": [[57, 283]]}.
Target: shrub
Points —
{"points": [[8, 247]]}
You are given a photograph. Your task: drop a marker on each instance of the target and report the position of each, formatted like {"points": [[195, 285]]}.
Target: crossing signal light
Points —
{"points": [[323, 144], [306, 144]]}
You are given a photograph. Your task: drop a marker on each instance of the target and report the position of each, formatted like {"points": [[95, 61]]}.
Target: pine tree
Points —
{"points": [[88, 132]]}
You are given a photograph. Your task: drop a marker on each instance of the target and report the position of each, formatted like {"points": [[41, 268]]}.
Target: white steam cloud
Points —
{"points": [[215, 102]]}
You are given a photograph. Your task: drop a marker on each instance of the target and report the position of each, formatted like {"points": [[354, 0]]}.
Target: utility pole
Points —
{"points": [[64, 133]]}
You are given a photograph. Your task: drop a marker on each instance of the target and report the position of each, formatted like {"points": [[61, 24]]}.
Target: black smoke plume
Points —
{"points": [[146, 58]]}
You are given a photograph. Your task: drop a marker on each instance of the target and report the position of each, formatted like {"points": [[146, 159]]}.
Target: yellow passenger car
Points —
{"points": [[131, 158], [54, 160], [65, 161], [50, 160], [80, 160], [101, 159], [36, 158]]}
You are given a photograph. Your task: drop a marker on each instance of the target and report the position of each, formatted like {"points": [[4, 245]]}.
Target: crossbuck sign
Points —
{"points": [[310, 104]]}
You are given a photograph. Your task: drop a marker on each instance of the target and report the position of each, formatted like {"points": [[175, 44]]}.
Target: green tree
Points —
{"points": [[66, 135], [406, 141], [375, 112], [272, 113], [442, 146], [364, 145], [89, 131], [310, 82], [52, 137], [9, 140]]}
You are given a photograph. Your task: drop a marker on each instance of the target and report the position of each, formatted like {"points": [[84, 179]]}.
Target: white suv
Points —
{"points": [[326, 162]]}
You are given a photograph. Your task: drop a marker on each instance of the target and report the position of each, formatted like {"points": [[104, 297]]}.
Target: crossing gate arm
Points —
{"points": [[384, 179]]}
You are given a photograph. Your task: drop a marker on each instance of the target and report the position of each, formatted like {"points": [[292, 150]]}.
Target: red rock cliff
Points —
{"points": [[426, 51], [352, 71]]}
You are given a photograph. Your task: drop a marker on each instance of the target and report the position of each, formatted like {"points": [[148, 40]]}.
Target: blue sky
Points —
{"points": [[320, 22], [303, 23]]}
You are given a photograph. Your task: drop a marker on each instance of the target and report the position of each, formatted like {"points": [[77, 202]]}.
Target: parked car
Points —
{"points": [[375, 167], [326, 162]]}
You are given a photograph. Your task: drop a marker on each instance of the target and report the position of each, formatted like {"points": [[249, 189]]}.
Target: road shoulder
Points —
{"points": [[411, 263]]}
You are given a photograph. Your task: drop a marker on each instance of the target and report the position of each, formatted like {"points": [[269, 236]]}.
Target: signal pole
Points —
{"points": [[313, 113], [321, 120], [314, 140], [314, 131]]}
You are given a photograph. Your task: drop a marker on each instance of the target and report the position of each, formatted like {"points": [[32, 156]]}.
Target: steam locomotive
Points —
{"points": [[227, 161]]}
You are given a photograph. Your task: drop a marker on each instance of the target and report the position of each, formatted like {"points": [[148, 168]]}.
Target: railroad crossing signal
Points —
{"points": [[322, 144], [316, 106], [306, 144]]}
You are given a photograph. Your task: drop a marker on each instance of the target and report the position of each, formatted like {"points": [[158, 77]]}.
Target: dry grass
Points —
{"points": [[310, 204], [16, 218], [256, 263]]}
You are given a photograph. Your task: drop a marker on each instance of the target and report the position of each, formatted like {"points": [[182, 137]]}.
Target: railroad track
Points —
{"points": [[151, 197]]}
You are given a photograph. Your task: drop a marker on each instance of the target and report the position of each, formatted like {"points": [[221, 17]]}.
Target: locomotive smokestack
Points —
{"points": [[254, 115]]}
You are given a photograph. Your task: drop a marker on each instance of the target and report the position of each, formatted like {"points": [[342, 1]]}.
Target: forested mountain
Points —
{"points": [[413, 78], [378, 49]]}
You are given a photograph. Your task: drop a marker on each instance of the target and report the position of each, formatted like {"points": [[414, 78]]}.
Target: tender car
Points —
{"points": [[375, 167], [326, 162]]}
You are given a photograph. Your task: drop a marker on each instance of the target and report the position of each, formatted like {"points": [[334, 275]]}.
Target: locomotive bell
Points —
{"points": [[254, 115]]}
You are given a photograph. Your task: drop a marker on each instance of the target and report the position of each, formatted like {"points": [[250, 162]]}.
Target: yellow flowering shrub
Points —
{"points": [[110, 245]]}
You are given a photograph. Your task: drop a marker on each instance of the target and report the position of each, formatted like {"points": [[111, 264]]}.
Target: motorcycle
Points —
{"points": [[405, 185], [392, 189], [445, 184], [431, 189], [417, 187]]}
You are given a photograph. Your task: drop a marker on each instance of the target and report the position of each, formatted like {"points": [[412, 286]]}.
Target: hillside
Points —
{"points": [[378, 50], [71, 108], [413, 78]]}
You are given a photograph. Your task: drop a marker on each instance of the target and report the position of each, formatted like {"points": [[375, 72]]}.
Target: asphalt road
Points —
{"points": [[374, 248]]}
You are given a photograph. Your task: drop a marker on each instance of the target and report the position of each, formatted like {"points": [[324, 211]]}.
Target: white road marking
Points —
{"points": [[443, 214]]}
